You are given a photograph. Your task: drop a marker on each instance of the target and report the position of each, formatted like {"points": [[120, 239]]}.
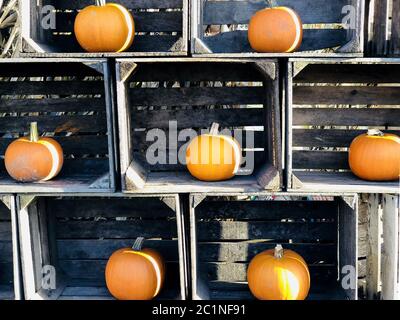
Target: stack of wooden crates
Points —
{"points": [[191, 65]]}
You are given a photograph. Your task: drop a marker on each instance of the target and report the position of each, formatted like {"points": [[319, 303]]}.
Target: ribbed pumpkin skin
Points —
{"points": [[108, 28], [213, 157], [270, 278], [375, 158], [275, 30], [135, 275], [28, 161]]}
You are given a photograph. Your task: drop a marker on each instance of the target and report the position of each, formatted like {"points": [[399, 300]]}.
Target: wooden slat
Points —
{"points": [[149, 208], [79, 249], [142, 43], [151, 72], [198, 118], [239, 12], [65, 123], [6, 251], [349, 73], [327, 137], [53, 105], [266, 210], [354, 95], [395, 39], [313, 39], [239, 230], [62, 88], [117, 229], [196, 96], [5, 230], [320, 160], [170, 21], [137, 4], [6, 274], [347, 116]]}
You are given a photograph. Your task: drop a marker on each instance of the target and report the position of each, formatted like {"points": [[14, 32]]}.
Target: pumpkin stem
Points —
{"points": [[138, 245], [375, 132], [214, 128], [34, 134], [278, 254], [271, 3], [100, 3]]}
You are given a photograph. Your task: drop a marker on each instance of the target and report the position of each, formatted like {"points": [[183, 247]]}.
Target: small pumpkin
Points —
{"points": [[213, 157], [278, 274], [375, 156], [275, 30], [33, 158], [135, 273], [105, 27]]}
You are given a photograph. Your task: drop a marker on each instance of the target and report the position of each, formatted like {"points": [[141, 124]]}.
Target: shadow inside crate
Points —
{"points": [[87, 232], [230, 234]]}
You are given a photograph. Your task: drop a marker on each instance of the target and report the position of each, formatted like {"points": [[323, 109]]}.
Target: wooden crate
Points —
{"points": [[383, 28], [227, 231], [71, 101], [10, 280], [161, 28], [329, 103], [77, 235], [219, 28], [240, 95]]}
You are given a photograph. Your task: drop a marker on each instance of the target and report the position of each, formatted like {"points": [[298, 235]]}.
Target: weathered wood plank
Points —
{"points": [[240, 230], [266, 210], [395, 39], [150, 208], [117, 229], [196, 96], [320, 160], [239, 12], [354, 95], [346, 116]]}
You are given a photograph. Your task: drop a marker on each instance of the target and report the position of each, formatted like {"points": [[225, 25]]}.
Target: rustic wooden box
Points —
{"points": [[71, 101], [227, 231], [193, 93], [383, 29], [329, 103], [219, 28], [9, 251], [161, 28], [77, 236]]}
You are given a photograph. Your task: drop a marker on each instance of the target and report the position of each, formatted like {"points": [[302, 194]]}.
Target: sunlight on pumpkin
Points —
{"points": [[289, 284], [155, 266]]}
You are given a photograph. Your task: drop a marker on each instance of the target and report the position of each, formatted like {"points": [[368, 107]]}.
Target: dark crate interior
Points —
{"points": [[68, 101], [160, 27], [88, 230], [232, 230], [240, 96], [6, 255], [221, 26], [332, 104]]}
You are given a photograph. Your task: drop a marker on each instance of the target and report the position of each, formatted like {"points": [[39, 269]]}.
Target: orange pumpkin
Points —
{"points": [[278, 274], [32, 159], [275, 30], [135, 273], [375, 156], [213, 157], [104, 28]]}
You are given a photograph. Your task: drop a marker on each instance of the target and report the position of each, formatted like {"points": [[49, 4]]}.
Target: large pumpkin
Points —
{"points": [[375, 156], [135, 273], [104, 28], [33, 158], [278, 274], [213, 157], [276, 30]]}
